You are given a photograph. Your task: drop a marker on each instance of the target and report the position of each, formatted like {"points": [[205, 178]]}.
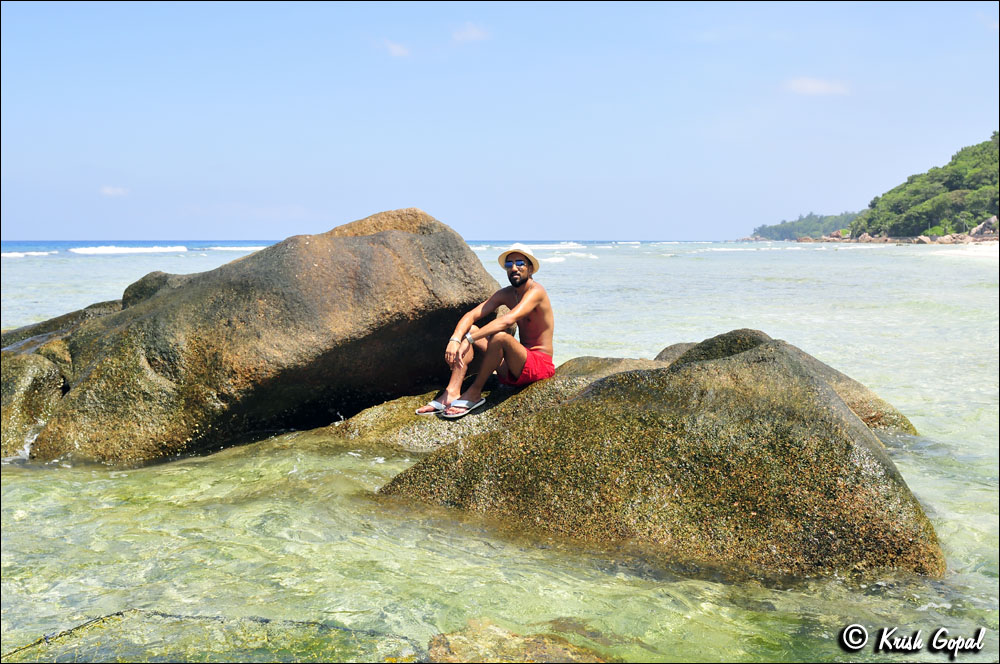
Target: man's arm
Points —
{"points": [[457, 344], [483, 309], [500, 324]]}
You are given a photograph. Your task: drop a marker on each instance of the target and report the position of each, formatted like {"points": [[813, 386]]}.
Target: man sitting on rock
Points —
{"points": [[516, 363]]}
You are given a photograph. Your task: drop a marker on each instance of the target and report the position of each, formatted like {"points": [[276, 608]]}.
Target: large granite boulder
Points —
{"points": [[739, 455], [292, 336]]}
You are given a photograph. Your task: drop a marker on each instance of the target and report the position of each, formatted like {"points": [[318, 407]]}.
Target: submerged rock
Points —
{"points": [[136, 635], [291, 336], [483, 641], [740, 454]]}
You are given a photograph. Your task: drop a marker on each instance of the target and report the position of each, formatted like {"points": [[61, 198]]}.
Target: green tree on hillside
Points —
{"points": [[949, 199]]}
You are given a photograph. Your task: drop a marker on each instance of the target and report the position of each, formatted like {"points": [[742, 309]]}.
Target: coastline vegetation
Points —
{"points": [[811, 225], [951, 199]]}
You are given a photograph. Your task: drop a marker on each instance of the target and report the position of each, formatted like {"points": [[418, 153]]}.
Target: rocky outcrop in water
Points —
{"points": [[288, 337], [740, 454]]}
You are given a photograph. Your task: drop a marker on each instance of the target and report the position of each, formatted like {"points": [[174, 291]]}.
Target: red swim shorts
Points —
{"points": [[537, 366]]}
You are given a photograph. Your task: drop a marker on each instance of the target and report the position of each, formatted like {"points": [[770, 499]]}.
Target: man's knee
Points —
{"points": [[501, 339]]}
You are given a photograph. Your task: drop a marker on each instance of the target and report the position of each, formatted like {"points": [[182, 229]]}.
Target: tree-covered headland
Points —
{"points": [[810, 225], [950, 199]]}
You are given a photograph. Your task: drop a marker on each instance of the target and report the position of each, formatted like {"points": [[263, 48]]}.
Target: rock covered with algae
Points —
{"points": [[740, 454], [288, 337]]}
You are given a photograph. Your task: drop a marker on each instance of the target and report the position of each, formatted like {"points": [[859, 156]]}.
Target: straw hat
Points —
{"points": [[518, 248]]}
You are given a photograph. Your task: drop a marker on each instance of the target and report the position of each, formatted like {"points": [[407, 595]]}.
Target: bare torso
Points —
{"points": [[534, 329]]}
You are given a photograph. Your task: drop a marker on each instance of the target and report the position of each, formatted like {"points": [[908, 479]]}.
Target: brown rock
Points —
{"points": [[988, 227], [291, 336], [739, 456]]}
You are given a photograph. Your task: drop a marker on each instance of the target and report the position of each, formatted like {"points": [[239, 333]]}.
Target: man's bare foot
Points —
{"points": [[468, 396], [461, 408], [437, 405]]}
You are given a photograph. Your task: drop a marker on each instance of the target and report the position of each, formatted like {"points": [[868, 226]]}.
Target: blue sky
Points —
{"points": [[506, 121]]}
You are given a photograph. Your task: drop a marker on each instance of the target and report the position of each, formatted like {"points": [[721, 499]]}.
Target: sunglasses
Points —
{"points": [[510, 264]]}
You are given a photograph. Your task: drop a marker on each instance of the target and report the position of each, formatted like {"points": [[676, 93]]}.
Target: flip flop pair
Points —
{"points": [[462, 403]]}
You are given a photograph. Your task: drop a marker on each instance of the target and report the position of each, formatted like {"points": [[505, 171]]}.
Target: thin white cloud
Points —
{"points": [[396, 50], [816, 86], [113, 192], [990, 22], [470, 32]]}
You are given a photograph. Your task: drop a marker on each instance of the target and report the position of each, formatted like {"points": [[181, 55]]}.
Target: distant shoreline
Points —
{"points": [[956, 239]]}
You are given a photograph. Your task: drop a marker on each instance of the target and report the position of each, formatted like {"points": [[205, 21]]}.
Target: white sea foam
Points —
{"points": [[576, 254], [873, 246], [730, 249], [554, 259], [112, 249], [988, 251], [555, 246], [22, 254], [236, 248]]}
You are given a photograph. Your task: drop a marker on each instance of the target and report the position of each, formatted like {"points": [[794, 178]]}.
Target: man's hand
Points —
{"points": [[454, 352], [463, 348]]}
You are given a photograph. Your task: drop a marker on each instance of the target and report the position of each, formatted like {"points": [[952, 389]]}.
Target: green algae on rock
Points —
{"points": [[739, 456]]}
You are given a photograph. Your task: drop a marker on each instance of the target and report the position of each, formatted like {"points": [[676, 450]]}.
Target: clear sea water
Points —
{"points": [[285, 529]]}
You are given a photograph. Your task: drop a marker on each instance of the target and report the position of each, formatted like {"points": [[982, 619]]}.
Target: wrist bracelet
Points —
{"points": [[468, 337], [458, 341]]}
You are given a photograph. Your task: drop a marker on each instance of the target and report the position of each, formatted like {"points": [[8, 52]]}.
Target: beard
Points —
{"points": [[515, 279]]}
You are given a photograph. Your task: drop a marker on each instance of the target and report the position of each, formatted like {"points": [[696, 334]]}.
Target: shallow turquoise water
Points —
{"points": [[287, 529]]}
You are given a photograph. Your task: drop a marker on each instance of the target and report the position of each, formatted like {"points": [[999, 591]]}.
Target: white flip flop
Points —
{"points": [[463, 403], [436, 405]]}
